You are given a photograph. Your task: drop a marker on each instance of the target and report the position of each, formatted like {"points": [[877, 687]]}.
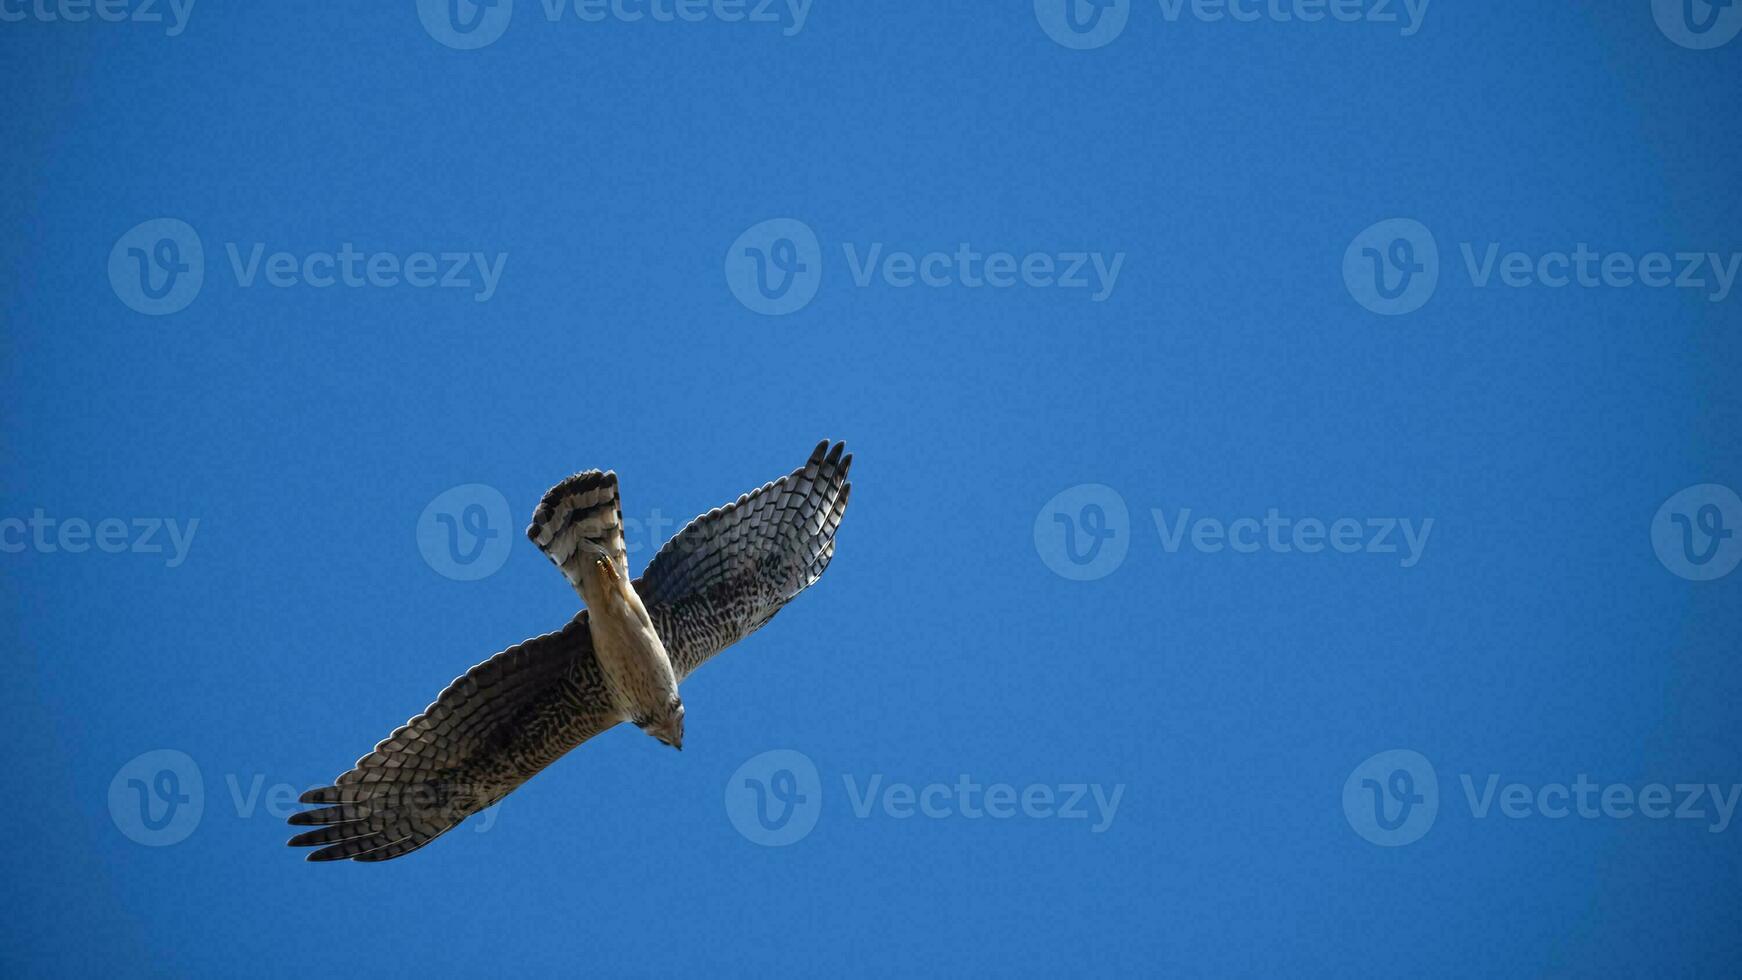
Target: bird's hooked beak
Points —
{"points": [[671, 733]]}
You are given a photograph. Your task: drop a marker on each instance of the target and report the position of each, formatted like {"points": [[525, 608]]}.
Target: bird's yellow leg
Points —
{"points": [[608, 570]]}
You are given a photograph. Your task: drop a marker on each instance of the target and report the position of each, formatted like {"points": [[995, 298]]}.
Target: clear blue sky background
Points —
{"points": [[1230, 372]]}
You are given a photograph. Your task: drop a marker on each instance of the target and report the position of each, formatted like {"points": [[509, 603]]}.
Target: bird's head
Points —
{"points": [[667, 725]]}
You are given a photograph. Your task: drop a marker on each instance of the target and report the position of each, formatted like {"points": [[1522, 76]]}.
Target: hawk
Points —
{"points": [[620, 659]]}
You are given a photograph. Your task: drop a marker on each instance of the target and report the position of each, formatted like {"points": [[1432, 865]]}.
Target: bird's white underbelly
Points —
{"points": [[636, 667]]}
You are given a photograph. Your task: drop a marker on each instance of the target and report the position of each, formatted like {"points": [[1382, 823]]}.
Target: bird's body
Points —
{"points": [[579, 524], [621, 659], [636, 667]]}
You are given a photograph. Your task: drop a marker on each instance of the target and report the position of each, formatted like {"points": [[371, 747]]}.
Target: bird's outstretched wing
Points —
{"points": [[491, 730], [734, 567]]}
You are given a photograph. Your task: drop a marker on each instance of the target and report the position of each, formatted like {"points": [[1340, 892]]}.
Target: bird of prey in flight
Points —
{"points": [[620, 659]]}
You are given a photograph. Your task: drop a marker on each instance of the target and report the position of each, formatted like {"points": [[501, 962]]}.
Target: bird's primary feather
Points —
{"points": [[492, 729], [730, 570]]}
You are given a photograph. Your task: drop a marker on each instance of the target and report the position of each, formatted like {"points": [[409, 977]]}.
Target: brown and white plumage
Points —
{"points": [[579, 526], [719, 580], [734, 567]]}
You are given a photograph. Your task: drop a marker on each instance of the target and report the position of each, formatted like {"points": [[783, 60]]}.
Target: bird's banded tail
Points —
{"points": [[580, 521]]}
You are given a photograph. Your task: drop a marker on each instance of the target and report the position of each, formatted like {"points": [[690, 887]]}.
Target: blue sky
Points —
{"points": [[1296, 462]]}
